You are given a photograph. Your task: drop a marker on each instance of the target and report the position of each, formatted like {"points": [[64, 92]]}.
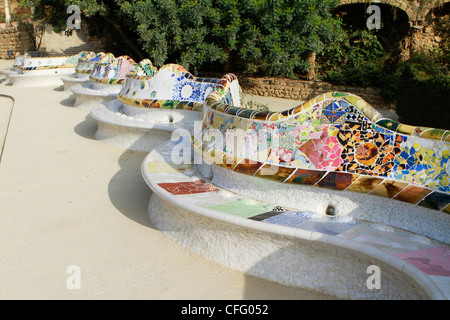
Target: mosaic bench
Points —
{"points": [[45, 71], [337, 152], [279, 217], [15, 69], [106, 80], [83, 70], [150, 107], [285, 245], [18, 62]]}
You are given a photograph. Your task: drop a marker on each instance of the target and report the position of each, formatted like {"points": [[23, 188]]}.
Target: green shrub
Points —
{"points": [[277, 37], [255, 36], [356, 58], [424, 103], [421, 91]]}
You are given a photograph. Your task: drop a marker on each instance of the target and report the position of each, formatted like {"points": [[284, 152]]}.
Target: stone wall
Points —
{"points": [[12, 39], [13, 4], [305, 90], [428, 21], [433, 34]]}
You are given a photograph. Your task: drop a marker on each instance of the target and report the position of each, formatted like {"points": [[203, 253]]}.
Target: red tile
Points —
{"points": [[190, 187]]}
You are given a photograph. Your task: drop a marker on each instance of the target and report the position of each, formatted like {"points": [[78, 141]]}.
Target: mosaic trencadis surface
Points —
{"points": [[86, 64], [112, 70], [53, 62], [171, 87], [18, 62], [334, 141], [430, 256]]}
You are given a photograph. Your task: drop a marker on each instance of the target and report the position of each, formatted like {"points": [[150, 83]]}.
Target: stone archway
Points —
{"points": [[418, 12]]}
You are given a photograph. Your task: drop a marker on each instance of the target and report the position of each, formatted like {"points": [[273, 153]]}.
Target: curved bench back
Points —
{"points": [[112, 70], [52, 62], [86, 64], [18, 62], [172, 87], [335, 141]]}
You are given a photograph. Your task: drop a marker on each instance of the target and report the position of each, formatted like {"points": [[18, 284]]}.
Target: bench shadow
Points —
{"points": [[127, 189], [87, 128], [68, 102]]}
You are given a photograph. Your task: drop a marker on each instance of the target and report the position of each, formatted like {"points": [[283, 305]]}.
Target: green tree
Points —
{"points": [[355, 58], [279, 36], [420, 88], [190, 32], [271, 37], [257, 36]]}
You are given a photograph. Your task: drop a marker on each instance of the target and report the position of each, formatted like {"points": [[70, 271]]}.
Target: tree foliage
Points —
{"points": [[356, 58], [272, 37], [267, 37], [421, 89], [255, 36]]}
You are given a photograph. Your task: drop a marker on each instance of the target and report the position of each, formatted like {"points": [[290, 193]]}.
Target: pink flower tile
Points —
{"points": [[432, 261]]}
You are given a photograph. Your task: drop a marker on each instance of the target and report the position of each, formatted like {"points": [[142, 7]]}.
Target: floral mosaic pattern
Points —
{"points": [[171, 87], [432, 261], [191, 90], [110, 70], [86, 64], [335, 141]]}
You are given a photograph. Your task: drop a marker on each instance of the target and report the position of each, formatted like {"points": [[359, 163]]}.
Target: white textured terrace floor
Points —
{"points": [[67, 199]]}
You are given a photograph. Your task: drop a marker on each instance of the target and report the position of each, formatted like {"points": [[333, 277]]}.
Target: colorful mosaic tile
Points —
{"points": [[289, 218], [86, 64], [243, 207], [436, 200], [412, 194], [335, 141], [112, 70], [337, 180], [388, 189], [308, 177], [433, 261], [190, 187], [364, 184], [170, 87]]}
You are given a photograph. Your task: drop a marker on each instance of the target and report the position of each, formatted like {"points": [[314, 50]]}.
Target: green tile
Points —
{"points": [[243, 207]]}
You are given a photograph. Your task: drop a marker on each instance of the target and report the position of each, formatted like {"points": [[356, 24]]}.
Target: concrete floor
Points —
{"points": [[72, 208]]}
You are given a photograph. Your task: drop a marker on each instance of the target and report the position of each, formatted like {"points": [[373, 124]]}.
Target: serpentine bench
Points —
{"points": [[150, 107], [83, 70], [317, 196], [16, 67], [106, 80], [38, 72]]}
